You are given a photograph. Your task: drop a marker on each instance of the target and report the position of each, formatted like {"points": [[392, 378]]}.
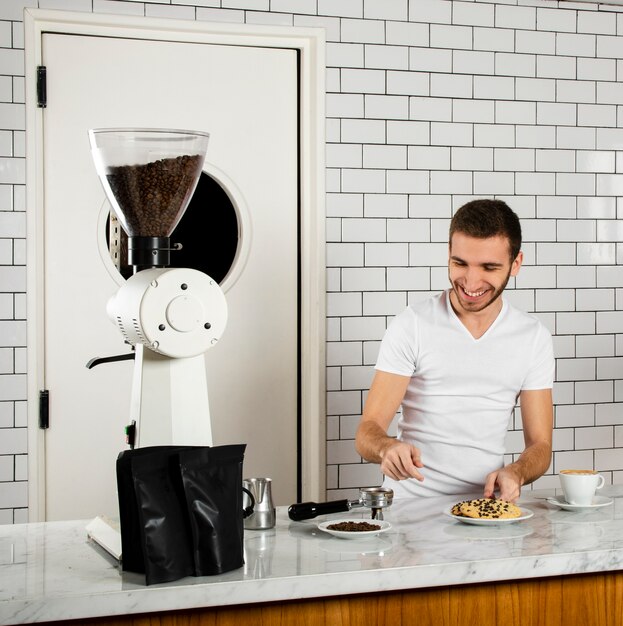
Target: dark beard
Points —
{"points": [[496, 294]]}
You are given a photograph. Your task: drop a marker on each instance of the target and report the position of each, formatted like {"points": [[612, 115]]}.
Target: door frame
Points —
{"points": [[310, 44]]}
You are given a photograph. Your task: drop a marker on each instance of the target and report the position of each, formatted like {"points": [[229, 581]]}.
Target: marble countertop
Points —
{"points": [[51, 571]]}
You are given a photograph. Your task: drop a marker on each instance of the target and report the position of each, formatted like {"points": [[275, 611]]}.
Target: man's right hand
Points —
{"points": [[400, 460]]}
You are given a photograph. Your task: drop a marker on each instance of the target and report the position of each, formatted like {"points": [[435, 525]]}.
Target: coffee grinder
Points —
{"points": [[170, 316]]}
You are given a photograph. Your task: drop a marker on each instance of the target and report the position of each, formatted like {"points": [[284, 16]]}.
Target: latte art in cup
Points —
{"points": [[579, 486]]}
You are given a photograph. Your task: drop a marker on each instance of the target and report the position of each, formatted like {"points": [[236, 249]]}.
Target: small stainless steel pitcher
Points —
{"points": [[263, 515]]}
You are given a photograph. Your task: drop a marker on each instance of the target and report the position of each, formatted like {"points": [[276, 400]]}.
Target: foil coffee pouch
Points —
{"points": [[212, 479], [155, 529]]}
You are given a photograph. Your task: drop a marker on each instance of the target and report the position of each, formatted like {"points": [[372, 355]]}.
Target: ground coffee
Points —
{"points": [[354, 526]]}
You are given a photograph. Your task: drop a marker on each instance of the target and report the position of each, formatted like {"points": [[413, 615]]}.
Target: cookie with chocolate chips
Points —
{"points": [[456, 509], [486, 508]]}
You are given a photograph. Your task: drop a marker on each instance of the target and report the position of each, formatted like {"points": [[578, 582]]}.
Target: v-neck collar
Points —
{"points": [[493, 324]]}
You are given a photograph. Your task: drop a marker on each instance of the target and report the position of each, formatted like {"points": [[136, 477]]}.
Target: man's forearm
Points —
{"points": [[533, 462], [386, 393], [371, 441]]}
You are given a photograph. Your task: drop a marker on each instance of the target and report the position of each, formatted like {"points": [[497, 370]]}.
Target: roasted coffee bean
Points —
{"points": [[151, 196]]}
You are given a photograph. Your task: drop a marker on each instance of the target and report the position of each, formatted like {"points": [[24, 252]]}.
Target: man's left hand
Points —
{"points": [[508, 482]]}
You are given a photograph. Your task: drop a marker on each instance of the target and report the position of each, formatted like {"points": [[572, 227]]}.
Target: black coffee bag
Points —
{"points": [[212, 479]]}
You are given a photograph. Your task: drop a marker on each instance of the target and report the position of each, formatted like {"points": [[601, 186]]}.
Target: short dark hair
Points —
{"points": [[486, 218]]}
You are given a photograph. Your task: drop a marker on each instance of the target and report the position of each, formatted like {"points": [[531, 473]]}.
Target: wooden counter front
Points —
{"points": [[582, 600]]}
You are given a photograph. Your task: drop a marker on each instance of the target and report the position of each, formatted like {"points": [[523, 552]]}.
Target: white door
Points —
{"points": [[246, 98]]}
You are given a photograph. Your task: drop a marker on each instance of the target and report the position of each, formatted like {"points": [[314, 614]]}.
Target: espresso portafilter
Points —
{"points": [[374, 498]]}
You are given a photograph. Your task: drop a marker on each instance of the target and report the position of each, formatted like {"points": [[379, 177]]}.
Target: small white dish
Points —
{"points": [[478, 521], [598, 502], [354, 534]]}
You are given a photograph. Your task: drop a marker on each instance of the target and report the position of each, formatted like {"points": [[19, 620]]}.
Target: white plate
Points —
{"points": [[477, 521], [598, 501], [354, 534]]}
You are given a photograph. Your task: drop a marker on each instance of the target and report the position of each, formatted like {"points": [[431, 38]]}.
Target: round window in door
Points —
{"points": [[209, 234]]}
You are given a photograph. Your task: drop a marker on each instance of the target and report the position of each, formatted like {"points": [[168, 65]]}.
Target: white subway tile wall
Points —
{"points": [[429, 103]]}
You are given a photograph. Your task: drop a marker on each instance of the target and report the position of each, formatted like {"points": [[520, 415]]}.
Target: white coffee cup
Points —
{"points": [[579, 486]]}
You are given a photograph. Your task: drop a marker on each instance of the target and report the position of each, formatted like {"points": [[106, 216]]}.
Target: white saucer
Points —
{"points": [[598, 502], [357, 534]]}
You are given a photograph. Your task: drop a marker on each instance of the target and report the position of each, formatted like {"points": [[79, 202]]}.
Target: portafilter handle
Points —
{"points": [[308, 510]]}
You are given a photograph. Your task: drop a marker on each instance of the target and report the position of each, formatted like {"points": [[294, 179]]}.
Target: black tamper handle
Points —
{"points": [[308, 510]]}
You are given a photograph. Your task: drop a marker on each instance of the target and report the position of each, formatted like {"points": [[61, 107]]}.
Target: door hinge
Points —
{"points": [[44, 409], [42, 87]]}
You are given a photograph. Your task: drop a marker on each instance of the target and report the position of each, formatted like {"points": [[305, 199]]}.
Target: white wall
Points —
{"points": [[429, 103]]}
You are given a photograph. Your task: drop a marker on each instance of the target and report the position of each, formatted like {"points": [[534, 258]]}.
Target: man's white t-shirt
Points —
{"points": [[462, 391]]}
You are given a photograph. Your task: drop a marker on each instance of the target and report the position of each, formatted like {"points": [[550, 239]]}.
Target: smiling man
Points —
{"points": [[457, 363]]}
